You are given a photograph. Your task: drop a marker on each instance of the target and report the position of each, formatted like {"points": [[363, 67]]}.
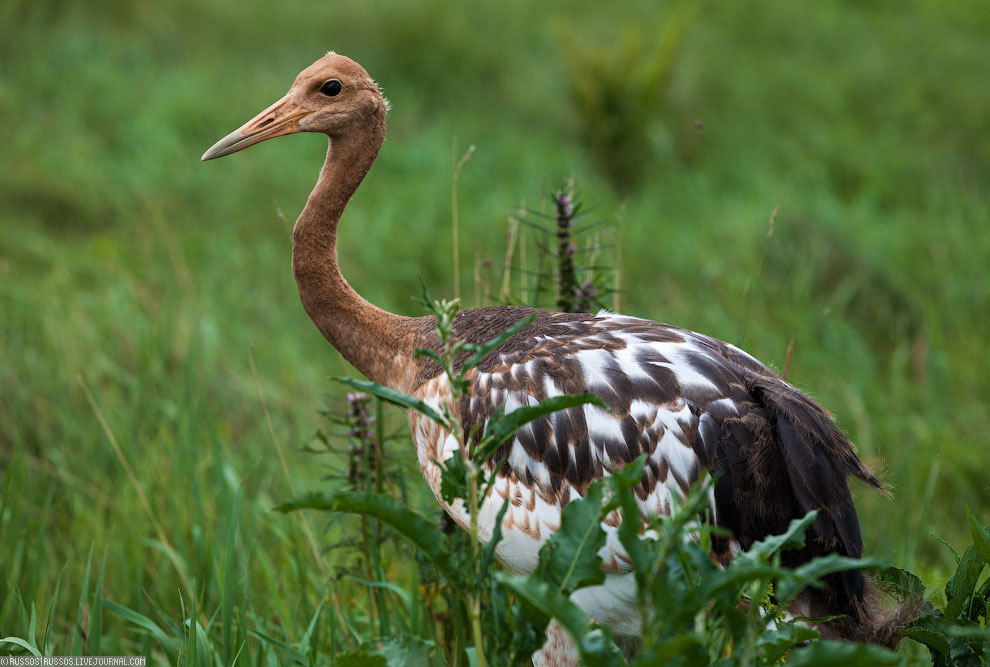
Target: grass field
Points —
{"points": [[155, 363]]}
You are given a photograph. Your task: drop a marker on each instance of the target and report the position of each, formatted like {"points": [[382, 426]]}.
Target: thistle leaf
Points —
{"points": [[392, 396], [424, 534]]}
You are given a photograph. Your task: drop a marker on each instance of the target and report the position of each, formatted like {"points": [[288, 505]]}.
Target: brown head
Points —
{"points": [[333, 96]]}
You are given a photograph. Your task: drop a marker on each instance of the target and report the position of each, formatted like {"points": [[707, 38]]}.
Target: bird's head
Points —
{"points": [[334, 96]]}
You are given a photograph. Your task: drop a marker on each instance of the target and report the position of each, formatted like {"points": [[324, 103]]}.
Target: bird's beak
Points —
{"points": [[277, 120]]}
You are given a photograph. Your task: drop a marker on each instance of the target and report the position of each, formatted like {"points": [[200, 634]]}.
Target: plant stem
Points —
{"points": [[474, 603]]}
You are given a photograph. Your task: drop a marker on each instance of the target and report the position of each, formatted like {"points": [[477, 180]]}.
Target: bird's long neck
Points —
{"points": [[376, 342]]}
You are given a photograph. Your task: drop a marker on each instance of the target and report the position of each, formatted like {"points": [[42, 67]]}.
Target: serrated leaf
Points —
{"points": [[569, 560], [842, 654], [960, 586], [930, 631], [902, 581], [792, 538], [814, 570], [595, 646], [403, 400], [774, 644], [453, 478], [500, 429], [424, 534]]}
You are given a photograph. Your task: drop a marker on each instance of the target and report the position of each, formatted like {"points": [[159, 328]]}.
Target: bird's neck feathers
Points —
{"points": [[376, 342]]}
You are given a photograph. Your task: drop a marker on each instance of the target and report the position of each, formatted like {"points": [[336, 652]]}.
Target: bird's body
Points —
{"points": [[691, 403]]}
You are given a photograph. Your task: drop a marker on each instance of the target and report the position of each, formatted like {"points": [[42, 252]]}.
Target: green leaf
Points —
{"points": [[684, 649], [400, 592], [959, 589], [500, 429], [291, 651], [904, 582], [594, 645], [406, 651], [569, 560], [792, 538], [488, 549], [981, 538], [170, 644], [454, 480], [424, 534], [392, 396], [623, 481], [486, 348], [17, 641], [774, 644], [930, 631], [814, 570], [842, 654]]}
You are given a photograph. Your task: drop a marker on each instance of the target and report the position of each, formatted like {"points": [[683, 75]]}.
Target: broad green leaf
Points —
{"points": [[500, 429], [487, 348], [902, 581], [424, 534], [569, 560], [930, 631], [595, 646], [814, 570], [842, 654], [981, 538], [392, 396], [454, 480], [774, 644], [959, 589]]}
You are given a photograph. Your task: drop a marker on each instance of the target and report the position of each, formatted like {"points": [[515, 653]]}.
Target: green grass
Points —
{"points": [[157, 284]]}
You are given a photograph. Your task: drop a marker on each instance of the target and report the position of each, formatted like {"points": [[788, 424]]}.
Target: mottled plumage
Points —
{"points": [[691, 403]]}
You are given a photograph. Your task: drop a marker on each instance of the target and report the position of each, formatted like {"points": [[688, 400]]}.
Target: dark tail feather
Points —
{"points": [[818, 458]]}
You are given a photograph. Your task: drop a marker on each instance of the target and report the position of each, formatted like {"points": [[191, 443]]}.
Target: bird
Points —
{"points": [[692, 404]]}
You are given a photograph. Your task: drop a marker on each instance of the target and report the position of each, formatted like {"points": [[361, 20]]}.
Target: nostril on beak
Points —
{"points": [[265, 123]]}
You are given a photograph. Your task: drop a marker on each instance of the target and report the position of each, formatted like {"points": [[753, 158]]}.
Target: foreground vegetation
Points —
{"points": [[159, 384]]}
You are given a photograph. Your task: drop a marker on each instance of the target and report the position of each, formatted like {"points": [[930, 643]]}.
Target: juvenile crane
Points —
{"points": [[690, 402]]}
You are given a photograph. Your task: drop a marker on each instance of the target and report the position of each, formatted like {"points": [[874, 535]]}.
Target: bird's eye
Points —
{"points": [[331, 88]]}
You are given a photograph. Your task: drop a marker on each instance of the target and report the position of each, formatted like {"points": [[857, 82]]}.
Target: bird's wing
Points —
{"points": [[691, 403], [655, 380]]}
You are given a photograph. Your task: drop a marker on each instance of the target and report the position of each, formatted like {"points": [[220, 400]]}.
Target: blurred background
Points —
{"points": [[154, 355]]}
